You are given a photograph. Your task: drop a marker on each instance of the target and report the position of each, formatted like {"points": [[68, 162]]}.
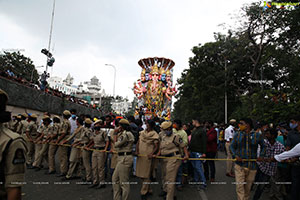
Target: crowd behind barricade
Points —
{"points": [[105, 149], [42, 86]]}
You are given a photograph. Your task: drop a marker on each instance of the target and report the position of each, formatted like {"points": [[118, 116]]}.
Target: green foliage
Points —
{"points": [[265, 46], [20, 65]]}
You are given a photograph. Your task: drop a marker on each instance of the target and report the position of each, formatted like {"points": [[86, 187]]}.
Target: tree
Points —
{"points": [[20, 65], [262, 47]]}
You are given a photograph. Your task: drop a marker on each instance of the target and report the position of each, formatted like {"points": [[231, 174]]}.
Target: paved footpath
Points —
{"points": [[49, 187]]}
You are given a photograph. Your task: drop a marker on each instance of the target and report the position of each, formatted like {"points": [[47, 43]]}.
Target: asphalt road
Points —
{"points": [[49, 187]]}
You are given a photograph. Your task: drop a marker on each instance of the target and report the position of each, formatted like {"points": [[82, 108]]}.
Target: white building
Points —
{"points": [[64, 86], [121, 106]]}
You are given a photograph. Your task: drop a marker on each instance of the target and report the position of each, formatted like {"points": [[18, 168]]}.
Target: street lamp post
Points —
{"points": [[114, 77], [50, 35]]}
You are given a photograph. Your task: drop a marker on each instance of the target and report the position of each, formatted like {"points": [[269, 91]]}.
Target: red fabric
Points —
{"points": [[211, 143]]}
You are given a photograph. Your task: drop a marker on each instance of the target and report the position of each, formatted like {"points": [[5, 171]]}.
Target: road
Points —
{"points": [[49, 187]]}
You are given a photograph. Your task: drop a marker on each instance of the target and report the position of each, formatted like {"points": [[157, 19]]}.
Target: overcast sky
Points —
{"points": [[89, 34]]}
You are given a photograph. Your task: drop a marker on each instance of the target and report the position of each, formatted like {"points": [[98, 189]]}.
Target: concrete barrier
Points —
{"points": [[24, 97]]}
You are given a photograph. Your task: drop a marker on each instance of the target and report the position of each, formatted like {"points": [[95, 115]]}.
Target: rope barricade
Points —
{"points": [[159, 157]]}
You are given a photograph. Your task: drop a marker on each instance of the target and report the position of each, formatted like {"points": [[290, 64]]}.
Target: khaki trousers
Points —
{"points": [[229, 163], [171, 167], [98, 167], [87, 164], [51, 157], [63, 159], [120, 178], [145, 186], [30, 152], [38, 148], [244, 178], [74, 161], [41, 155], [163, 174]]}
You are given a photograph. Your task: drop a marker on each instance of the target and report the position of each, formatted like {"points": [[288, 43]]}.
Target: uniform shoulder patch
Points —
{"points": [[121, 138], [19, 157]]}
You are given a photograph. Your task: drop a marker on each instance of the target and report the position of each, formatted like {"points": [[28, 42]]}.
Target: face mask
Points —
{"points": [[242, 127], [293, 126], [168, 133], [157, 123], [282, 130], [73, 116]]}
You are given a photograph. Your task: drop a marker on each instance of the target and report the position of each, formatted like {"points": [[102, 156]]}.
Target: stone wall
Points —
{"points": [[29, 98]]}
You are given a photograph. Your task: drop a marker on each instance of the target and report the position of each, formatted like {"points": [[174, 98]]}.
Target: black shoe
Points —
{"points": [[101, 186], [52, 172], [143, 197], [162, 194], [66, 179], [60, 175], [29, 166], [93, 185]]}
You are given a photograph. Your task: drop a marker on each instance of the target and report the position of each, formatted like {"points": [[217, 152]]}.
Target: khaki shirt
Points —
{"points": [[170, 144], [12, 158], [47, 131], [77, 134], [100, 139], [22, 127], [54, 131], [32, 129], [65, 128], [86, 135], [124, 142]]}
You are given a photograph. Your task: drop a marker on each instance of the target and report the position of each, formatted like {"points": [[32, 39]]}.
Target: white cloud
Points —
{"points": [[87, 35]]}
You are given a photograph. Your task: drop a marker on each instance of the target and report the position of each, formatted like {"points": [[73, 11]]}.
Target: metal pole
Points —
{"points": [[225, 91], [50, 35]]}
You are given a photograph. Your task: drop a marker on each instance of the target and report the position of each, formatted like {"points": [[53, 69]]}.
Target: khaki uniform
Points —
{"points": [[86, 155], [32, 129], [22, 127], [120, 178], [114, 156], [75, 152], [53, 148], [13, 125], [62, 150], [99, 158], [12, 160], [170, 147], [147, 143], [43, 153]]}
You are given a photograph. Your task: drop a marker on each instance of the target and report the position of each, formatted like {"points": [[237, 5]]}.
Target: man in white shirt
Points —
{"points": [[73, 121], [229, 133], [294, 152]]}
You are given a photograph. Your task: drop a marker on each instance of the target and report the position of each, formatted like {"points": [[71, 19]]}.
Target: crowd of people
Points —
{"points": [[42, 86], [106, 150]]}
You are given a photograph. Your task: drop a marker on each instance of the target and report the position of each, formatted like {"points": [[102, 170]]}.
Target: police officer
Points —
{"points": [[62, 151], [75, 151], [12, 156], [147, 145], [170, 145], [31, 135], [43, 153], [86, 154], [52, 137], [23, 124], [99, 142], [123, 146]]}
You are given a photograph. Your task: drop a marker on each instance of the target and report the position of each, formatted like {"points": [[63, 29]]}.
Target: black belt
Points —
{"points": [[99, 148], [124, 153], [172, 154]]}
